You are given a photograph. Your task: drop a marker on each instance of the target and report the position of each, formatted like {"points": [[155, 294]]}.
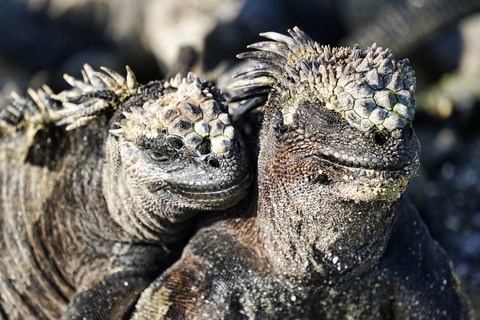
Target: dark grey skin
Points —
{"points": [[327, 234], [91, 216]]}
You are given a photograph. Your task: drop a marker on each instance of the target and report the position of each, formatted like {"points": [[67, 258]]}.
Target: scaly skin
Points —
{"points": [[327, 234], [92, 212]]}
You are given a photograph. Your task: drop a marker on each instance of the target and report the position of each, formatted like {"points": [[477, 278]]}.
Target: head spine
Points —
{"points": [[191, 112], [368, 88], [99, 92]]}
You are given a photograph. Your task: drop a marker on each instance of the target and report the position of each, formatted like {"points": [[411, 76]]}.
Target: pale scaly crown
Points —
{"points": [[193, 111], [367, 87]]}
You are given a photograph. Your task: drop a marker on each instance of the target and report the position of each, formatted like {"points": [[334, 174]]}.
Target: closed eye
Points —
{"points": [[158, 156]]}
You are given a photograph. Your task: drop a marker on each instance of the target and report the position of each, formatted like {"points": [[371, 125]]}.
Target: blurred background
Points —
{"points": [[40, 40]]}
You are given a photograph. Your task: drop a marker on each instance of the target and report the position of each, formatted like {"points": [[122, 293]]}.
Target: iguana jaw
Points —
{"points": [[362, 184]]}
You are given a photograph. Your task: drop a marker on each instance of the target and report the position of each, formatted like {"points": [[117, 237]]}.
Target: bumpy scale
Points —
{"points": [[97, 184], [327, 234]]}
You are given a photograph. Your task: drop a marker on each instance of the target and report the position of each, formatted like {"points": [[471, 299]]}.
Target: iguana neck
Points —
{"points": [[146, 216], [336, 239]]}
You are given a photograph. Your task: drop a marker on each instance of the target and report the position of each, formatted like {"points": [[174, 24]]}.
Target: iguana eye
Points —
{"points": [[320, 178], [158, 156]]}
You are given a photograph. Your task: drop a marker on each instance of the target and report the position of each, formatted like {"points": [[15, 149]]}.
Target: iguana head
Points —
{"points": [[171, 143], [338, 120], [177, 139], [336, 152]]}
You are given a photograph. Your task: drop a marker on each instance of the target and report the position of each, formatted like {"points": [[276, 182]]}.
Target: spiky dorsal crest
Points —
{"points": [[367, 87], [32, 111], [98, 92], [191, 112]]}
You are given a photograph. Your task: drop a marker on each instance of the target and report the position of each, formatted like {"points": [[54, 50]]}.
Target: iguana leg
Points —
{"points": [[424, 284], [177, 293], [112, 291], [112, 297], [3, 314]]}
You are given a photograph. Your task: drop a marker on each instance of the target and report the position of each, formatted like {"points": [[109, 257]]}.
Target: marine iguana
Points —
{"points": [[97, 184], [327, 233]]}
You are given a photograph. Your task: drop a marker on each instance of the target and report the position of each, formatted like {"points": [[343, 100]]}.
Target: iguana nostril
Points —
{"points": [[212, 162], [379, 138]]}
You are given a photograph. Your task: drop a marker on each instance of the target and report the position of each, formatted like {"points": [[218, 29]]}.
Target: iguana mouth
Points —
{"points": [[397, 170], [206, 191], [366, 183], [371, 164], [211, 195]]}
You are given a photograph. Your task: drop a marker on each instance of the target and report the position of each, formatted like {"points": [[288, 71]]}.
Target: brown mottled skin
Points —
{"points": [[89, 217], [327, 233]]}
